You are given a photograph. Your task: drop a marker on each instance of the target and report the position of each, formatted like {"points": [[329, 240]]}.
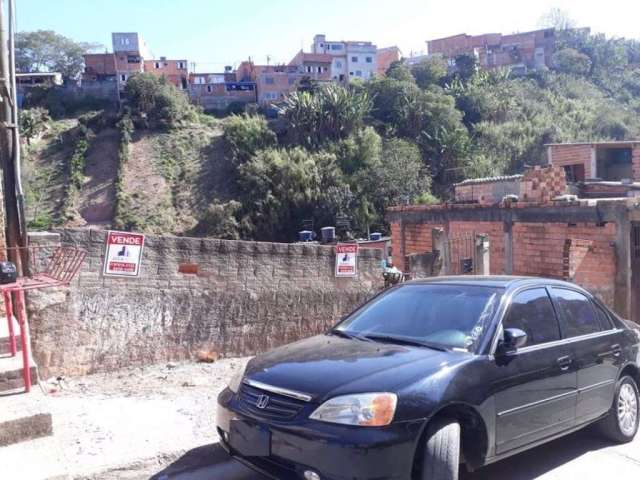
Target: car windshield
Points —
{"points": [[451, 316]]}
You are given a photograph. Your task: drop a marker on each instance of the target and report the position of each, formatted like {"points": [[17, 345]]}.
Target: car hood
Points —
{"points": [[327, 365]]}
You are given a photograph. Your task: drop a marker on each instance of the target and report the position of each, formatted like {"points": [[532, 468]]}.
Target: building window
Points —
{"points": [[269, 80], [181, 65], [319, 69], [358, 73], [157, 64], [309, 68], [338, 64], [369, 59], [292, 80], [123, 77], [351, 73], [336, 47], [354, 59], [209, 88]]}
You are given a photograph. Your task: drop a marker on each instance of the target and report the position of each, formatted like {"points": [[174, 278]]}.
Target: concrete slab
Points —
{"points": [[11, 373], [23, 417]]}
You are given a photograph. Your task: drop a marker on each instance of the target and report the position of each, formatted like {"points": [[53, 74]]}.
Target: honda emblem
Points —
{"points": [[262, 402]]}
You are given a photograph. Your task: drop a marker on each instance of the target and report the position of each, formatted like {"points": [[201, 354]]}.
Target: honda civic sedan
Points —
{"points": [[433, 375]]}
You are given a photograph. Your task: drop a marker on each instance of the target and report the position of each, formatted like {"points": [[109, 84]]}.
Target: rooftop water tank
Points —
{"points": [[328, 234], [305, 235]]}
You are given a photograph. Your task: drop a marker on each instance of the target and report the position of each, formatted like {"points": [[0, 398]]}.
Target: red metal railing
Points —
{"points": [[45, 266]]}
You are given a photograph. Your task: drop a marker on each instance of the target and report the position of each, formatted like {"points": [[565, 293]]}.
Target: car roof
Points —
{"points": [[494, 281]]}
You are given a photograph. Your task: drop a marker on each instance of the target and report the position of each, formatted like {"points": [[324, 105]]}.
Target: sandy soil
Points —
{"points": [[110, 420]]}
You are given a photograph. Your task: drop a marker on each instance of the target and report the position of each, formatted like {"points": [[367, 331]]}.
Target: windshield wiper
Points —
{"points": [[404, 341], [350, 336]]}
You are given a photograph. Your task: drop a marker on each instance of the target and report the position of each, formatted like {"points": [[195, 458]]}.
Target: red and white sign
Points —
{"points": [[123, 254], [346, 260]]}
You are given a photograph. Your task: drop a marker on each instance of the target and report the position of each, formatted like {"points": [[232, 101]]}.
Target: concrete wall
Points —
{"points": [[247, 297]]}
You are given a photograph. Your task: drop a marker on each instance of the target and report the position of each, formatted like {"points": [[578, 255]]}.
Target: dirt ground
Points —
{"points": [[143, 415]]}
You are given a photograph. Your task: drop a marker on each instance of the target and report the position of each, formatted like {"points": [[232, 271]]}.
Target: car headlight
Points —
{"points": [[364, 409], [235, 381]]}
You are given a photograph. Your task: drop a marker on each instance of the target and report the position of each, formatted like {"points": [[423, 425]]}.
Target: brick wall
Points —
{"points": [[539, 184], [539, 249], [565, 155], [495, 230], [247, 297]]}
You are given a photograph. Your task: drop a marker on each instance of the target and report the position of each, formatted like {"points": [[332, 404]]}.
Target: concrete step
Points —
{"points": [[11, 373], [5, 342], [39, 459], [23, 416]]}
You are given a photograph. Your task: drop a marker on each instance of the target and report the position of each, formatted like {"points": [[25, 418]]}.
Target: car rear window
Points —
{"points": [[455, 316], [578, 314]]}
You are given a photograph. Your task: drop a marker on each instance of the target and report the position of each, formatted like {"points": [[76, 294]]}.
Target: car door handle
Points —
{"points": [[565, 363], [616, 350]]}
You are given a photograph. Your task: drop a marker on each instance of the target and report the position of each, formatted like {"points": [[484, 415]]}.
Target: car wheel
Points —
{"points": [[621, 425], [442, 451]]}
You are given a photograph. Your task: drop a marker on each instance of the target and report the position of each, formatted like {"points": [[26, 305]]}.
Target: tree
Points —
{"points": [[246, 134], [398, 70], [558, 19], [282, 187], [331, 113], [156, 103], [466, 66], [48, 51], [427, 117], [569, 60], [402, 175], [430, 71]]}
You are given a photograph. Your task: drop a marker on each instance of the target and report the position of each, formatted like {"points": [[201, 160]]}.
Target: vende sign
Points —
{"points": [[346, 260], [123, 254]]}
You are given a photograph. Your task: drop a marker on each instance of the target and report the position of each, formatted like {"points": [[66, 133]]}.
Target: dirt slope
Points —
{"points": [[97, 197]]}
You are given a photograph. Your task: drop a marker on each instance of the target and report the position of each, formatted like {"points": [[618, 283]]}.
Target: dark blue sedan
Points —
{"points": [[435, 374]]}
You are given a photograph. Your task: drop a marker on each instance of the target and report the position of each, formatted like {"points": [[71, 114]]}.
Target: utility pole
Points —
{"points": [[9, 146]]}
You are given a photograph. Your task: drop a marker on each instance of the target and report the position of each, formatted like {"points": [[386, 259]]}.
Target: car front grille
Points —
{"points": [[278, 407]]}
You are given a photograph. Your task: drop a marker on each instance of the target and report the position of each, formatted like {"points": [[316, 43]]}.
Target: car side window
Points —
{"points": [[579, 316], [603, 317], [532, 312]]}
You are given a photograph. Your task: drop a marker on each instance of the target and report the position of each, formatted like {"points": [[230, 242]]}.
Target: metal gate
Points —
{"points": [[461, 254]]}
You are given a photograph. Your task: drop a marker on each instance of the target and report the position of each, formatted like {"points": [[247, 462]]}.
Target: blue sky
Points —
{"points": [[214, 33]]}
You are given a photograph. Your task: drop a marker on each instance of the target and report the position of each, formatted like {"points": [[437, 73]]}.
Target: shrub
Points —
{"points": [[155, 103], [245, 135], [33, 122], [569, 60]]}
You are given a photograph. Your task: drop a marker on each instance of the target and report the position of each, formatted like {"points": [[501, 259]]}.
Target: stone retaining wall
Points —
{"points": [[246, 297]]}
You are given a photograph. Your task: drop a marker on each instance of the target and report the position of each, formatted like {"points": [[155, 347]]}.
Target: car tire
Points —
{"points": [[621, 424], [441, 459]]}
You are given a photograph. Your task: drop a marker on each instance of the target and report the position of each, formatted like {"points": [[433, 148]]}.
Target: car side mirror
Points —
{"points": [[514, 338]]}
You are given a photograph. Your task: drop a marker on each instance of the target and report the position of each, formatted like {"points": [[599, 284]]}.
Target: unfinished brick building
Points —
{"points": [[528, 50], [537, 224]]}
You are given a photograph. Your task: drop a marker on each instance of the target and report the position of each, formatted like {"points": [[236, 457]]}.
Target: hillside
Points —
{"points": [[162, 166], [165, 185]]}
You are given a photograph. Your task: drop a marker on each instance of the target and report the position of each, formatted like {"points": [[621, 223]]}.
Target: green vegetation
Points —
{"points": [[48, 51], [355, 151], [156, 103]]}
